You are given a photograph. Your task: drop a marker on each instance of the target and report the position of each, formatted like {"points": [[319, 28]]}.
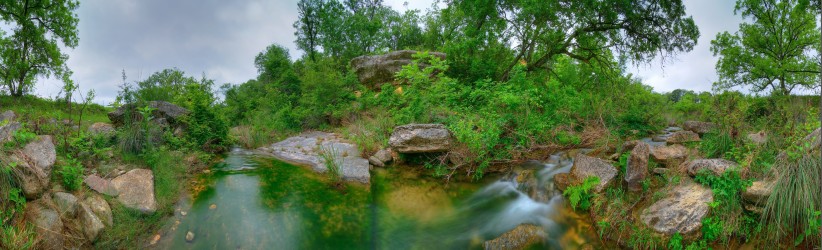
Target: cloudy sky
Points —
{"points": [[220, 39]]}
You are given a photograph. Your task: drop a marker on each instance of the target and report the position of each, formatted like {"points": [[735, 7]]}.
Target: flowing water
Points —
{"points": [[261, 203]]}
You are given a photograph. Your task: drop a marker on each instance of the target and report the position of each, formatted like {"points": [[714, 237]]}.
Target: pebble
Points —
{"points": [[213, 206], [155, 239], [189, 236]]}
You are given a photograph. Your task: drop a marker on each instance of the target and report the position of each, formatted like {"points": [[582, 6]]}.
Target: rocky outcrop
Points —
{"points": [[585, 166], [47, 224], [699, 127], [681, 211], [669, 156], [136, 188], [420, 138], [715, 166], [164, 114], [637, 168], [521, 237], [373, 71], [682, 137], [34, 164], [100, 185], [306, 149], [101, 128], [381, 158]]}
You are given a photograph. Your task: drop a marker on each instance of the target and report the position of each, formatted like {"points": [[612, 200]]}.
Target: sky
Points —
{"points": [[219, 39]]}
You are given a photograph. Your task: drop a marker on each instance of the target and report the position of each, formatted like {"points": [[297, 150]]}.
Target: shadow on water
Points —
{"points": [[259, 203]]}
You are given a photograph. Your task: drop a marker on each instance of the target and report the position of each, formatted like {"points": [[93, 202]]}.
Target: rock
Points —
{"points": [[374, 161], [375, 70], [681, 211], [91, 224], [34, 165], [7, 131], [661, 171], [682, 137], [562, 181], [41, 152], [757, 194], [47, 224], [521, 237], [212, 207], [136, 188], [305, 149], [699, 127], [189, 236], [32, 181], [101, 128], [100, 208], [66, 204], [629, 145], [716, 166], [672, 129], [155, 239], [672, 155], [8, 116], [758, 138], [420, 138], [585, 166], [101, 185], [659, 138], [164, 112], [384, 155], [637, 168]]}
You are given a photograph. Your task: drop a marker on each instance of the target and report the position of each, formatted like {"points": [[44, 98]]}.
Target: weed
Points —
{"points": [[676, 242], [72, 173], [22, 237], [332, 161], [580, 195]]}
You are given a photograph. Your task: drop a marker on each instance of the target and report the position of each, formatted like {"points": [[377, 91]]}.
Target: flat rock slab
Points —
{"points": [[420, 138], [585, 166], [136, 188], [306, 149], [681, 211], [101, 185], [715, 166], [683, 137]]}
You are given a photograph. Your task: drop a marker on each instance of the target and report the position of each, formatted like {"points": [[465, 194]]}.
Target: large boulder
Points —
{"points": [[136, 188], [41, 152], [164, 114], [682, 137], [375, 70], [307, 149], [715, 166], [66, 204], [585, 166], [699, 127], [47, 224], [637, 168], [681, 211], [671, 155], [420, 138], [91, 224], [100, 208], [523, 236], [34, 164]]}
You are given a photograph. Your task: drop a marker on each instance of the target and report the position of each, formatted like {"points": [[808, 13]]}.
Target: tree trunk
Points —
{"points": [[820, 81]]}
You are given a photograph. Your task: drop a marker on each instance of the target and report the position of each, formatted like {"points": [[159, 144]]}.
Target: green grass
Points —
{"points": [[716, 144], [795, 197], [31, 108], [330, 156]]}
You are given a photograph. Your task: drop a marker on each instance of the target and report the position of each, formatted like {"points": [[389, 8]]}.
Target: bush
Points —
{"points": [[72, 173], [580, 195]]}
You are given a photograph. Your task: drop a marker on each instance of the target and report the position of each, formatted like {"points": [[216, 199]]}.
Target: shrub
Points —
{"points": [[580, 195], [72, 173]]}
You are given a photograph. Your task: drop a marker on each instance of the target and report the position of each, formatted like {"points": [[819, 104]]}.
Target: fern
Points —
{"points": [[580, 195]]}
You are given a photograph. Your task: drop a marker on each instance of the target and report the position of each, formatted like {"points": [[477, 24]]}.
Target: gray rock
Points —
{"points": [[716, 166], [420, 138], [384, 155], [757, 194], [66, 204], [136, 188], [683, 137], [101, 128], [41, 152], [376, 162], [637, 168], [305, 149], [32, 180], [100, 208], [169, 113], [659, 138], [91, 224], [373, 71], [681, 211], [629, 145], [34, 165], [758, 138], [8, 116], [7, 131], [101, 185], [699, 127], [670, 156], [521, 237], [585, 166], [47, 224]]}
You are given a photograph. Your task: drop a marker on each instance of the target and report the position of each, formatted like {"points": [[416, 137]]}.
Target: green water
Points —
{"points": [[261, 203]]}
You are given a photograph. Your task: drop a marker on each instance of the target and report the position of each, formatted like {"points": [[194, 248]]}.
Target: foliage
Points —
{"points": [[333, 162], [716, 145], [72, 172], [17, 237], [580, 195], [776, 49], [795, 195], [205, 128], [20, 138], [727, 204], [32, 50], [676, 242]]}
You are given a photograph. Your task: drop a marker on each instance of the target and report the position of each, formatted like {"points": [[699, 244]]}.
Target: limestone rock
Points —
{"points": [[101, 185], [699, 127], [136, 188], [681, 211], [683, 137], [637, 168], [306, 149], [66, 204], [92, 225], [100, 208], [521, 237], [420, 138], [716, 166], [585, 166], [373, 71]]}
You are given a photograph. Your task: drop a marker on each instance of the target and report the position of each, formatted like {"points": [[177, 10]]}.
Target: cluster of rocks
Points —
{"points": [[164, 115], [373, 71]]}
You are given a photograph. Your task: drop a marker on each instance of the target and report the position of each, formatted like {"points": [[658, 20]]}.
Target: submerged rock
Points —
{"points": [[585, 166], [681, 211], [136, 188], [307, 148], [699, 127], [521, 237], [716, 166], [683, 137], [420, 138], [637, 168], [375, 70]]}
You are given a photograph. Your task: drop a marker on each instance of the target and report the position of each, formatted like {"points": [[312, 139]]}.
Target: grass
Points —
{"points": [[17, 237], [795, 197], [716, 144], [31, 108], [370, 132], [332, 162]]}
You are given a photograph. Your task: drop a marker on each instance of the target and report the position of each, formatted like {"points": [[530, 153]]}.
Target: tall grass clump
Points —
{"points": [[794, 201], [333, 162], [370, 131], [716, 144]]}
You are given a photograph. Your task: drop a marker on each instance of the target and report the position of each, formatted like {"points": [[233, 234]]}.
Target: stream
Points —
{"points": [[253, 202]]}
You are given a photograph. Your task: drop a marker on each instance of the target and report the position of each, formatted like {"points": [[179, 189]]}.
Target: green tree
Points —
{"points": [[776, 50], [38, 28]]}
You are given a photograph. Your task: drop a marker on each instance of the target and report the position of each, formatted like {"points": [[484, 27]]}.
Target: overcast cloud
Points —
{"points": [[220, 39]]}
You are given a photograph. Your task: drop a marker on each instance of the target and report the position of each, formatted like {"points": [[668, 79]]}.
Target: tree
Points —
{"points": [[307, 26], [775, 51], [32, 49]]}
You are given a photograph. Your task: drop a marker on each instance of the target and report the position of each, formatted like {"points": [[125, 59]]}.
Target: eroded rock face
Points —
{"points": [[670, 156], [375, 70], [306, 149], [683, 137], [637, 168], [164, 113], [521, 237], [420, 138], [47, 224], [716, 166], [699, 127], [585, 166], [136, 188], [681, 211]]}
